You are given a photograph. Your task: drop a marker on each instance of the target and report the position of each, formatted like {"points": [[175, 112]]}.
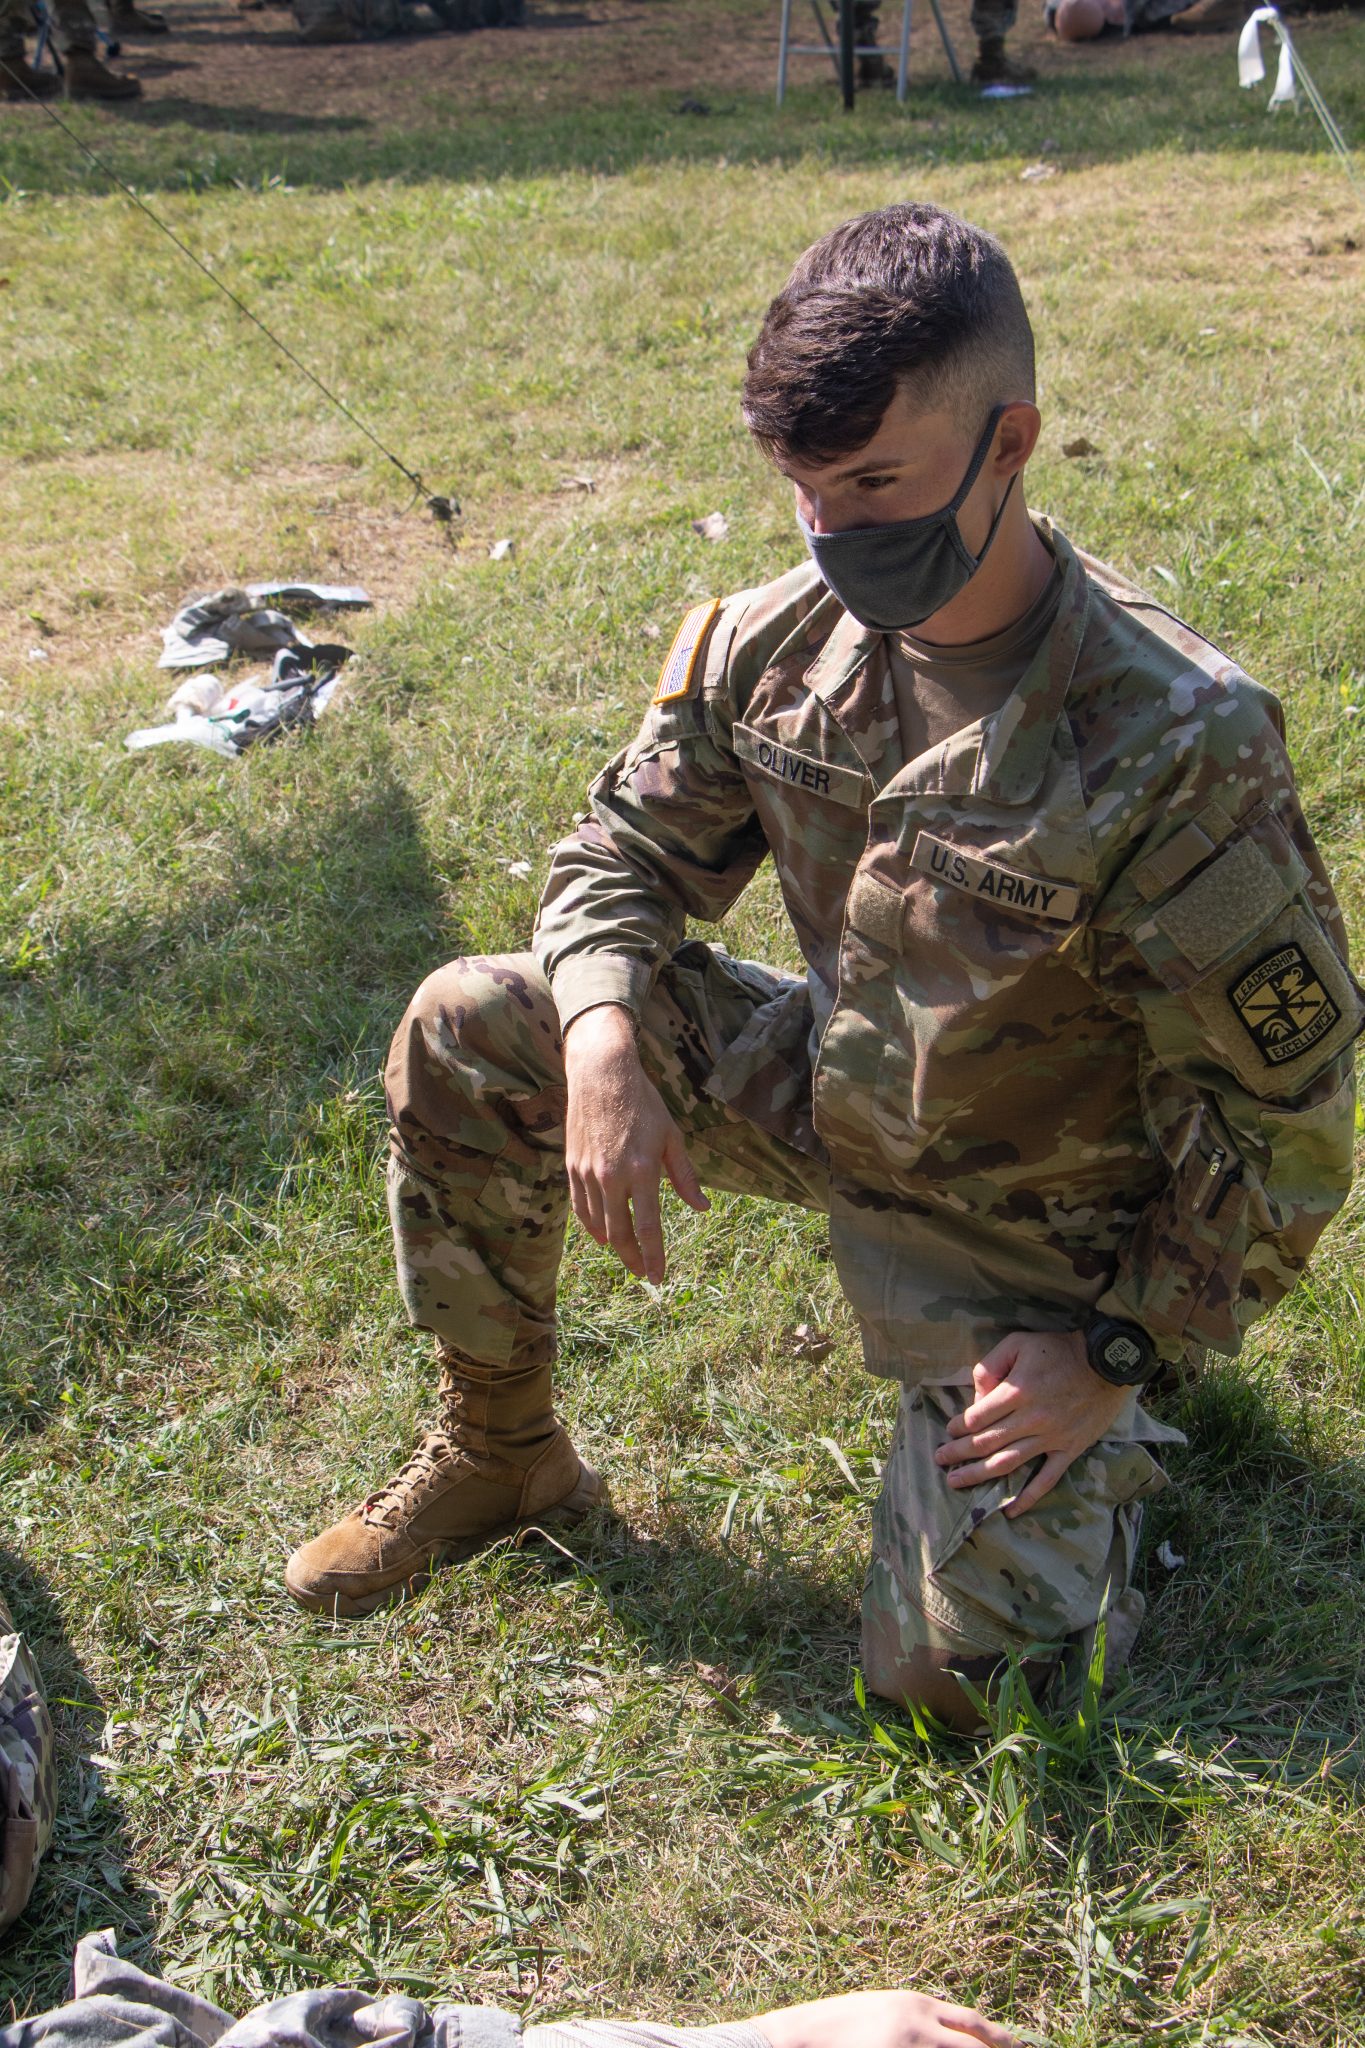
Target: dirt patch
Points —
{"points": [[312, 514]]}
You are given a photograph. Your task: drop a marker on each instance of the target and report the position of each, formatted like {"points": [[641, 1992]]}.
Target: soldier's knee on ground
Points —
{"points": [[929, 1677]]}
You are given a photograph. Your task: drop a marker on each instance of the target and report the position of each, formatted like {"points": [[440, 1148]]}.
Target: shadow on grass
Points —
{"points": [[785, 1633], [161, 1065], [83, 1880], [209, 118], [1255, 1634], [1258, 1628]]}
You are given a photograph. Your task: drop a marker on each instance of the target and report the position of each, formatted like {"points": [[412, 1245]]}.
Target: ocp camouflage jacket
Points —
{"points": [[1077, 1007]]}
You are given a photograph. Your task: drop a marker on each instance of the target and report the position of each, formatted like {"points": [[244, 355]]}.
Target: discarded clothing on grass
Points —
{"points": [[221, 623], [229, 718], [116, 2005]]}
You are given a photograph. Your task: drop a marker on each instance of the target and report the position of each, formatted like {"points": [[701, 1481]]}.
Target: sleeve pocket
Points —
{"points": [[1241, 945]]}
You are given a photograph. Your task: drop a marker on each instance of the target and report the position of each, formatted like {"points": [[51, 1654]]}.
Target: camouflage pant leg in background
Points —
{"points": [[992, 18], [16, 22], [73, 22], [75, 26], [28, 1771], [950, 1572], [478, 1193]]}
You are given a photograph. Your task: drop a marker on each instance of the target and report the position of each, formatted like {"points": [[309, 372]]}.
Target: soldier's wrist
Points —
{"points": [[1118, 1352], [602, 1028]]}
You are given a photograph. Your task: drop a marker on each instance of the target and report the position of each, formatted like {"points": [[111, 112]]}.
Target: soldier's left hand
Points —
{"points": [[1035, 1397]]}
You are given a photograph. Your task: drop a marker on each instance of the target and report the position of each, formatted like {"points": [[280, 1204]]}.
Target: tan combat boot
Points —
{"points": [[994, 67], [19, 80], [88, 79], [498, 1461]]}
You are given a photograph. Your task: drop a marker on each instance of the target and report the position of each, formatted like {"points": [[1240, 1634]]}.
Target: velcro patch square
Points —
{"points": [[1283, 1006]]}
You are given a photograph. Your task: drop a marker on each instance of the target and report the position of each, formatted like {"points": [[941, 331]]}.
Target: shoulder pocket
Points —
{"points": [[1241, 943]]}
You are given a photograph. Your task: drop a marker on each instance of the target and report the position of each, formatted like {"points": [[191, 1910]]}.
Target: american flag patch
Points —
{"points": [[675, 678]]}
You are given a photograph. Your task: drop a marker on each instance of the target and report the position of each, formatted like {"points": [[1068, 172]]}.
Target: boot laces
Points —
{"points": [[433, 1462]]}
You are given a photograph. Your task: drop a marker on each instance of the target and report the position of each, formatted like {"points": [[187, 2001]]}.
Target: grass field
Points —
{"points": [[638, 1774]]}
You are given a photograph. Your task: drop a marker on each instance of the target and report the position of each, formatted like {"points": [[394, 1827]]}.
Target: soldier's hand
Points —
{"points": [[881, 2019], [619, 1142], [1035, 1397]]}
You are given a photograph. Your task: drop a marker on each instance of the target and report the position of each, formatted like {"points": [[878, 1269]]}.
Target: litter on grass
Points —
{"points": [[227, 719], [210, 628]]}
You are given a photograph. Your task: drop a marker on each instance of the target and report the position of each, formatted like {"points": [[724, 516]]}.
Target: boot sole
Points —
{"points": [[590, 1492]]}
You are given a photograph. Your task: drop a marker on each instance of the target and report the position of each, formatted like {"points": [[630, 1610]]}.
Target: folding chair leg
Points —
{"points": [[784, 36], [949, 52]]}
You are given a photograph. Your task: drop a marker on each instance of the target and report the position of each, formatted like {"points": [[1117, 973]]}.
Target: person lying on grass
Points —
{"points": [[114, 2002], [1069, 1070]]}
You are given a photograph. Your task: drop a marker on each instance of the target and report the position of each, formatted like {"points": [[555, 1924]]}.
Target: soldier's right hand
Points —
{"points": [[619, 1142], [882, 2019]]}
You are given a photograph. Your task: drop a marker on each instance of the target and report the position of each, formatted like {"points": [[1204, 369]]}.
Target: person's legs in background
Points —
{"points": [[18, 79], [992, 21]]}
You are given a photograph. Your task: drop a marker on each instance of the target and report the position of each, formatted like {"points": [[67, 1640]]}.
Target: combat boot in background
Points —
{"points": [[88, 79], [994, 67], [19, 80], [497, 1461], [130, 20]]}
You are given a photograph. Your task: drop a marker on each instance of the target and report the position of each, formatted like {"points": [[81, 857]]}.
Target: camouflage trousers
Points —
{"points": [[75, 26], [993, 18], [478, 1197]]}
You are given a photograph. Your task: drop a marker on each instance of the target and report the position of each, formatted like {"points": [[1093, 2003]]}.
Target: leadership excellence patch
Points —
{"points": [[679, 670], [1283, 1006]]}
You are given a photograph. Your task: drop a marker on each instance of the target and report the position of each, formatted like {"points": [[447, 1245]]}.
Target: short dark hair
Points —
{"points": [[910, 295]]}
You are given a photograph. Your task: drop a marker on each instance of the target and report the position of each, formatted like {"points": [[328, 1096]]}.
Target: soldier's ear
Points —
{"points": [[1016, 437]]}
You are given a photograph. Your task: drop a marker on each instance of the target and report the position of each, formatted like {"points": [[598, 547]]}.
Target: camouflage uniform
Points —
{"points": [[1075, 1033], [993, 19], [28, 1772]]}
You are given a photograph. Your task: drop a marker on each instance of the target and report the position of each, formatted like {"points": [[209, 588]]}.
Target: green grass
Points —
{"points": [[638, 1774]]}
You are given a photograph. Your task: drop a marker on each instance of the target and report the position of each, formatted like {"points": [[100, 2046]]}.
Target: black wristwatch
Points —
{"points": [[1121, 1353]]}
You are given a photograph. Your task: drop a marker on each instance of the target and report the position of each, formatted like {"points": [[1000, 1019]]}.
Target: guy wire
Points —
{"points": [[441, 508]]}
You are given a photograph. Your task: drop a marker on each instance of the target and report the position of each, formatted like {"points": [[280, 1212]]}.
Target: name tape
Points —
{"points": [[800, 771], [986, 878]]}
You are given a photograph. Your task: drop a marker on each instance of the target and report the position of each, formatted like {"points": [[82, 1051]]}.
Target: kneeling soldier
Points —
{"points": [[1069, 1069]]}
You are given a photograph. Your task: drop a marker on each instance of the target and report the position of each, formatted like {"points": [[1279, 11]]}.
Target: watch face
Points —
{"points": [[1121, 1354]]}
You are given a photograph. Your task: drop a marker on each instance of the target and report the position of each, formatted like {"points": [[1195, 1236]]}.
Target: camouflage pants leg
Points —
{"points": [[75, 26], [952, 1573], [16, 22], [993, 19], [478, 1193]]}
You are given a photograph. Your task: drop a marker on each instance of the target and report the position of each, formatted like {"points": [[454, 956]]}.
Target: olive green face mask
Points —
{"points": [[893, 577]]}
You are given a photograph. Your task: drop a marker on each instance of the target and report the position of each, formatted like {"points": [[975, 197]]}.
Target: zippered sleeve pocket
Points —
{"points": [[1182, 1272]]}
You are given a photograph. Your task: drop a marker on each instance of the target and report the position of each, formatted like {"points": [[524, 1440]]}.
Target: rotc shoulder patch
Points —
{"points": [[1282, 1005], [679, 671]]}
